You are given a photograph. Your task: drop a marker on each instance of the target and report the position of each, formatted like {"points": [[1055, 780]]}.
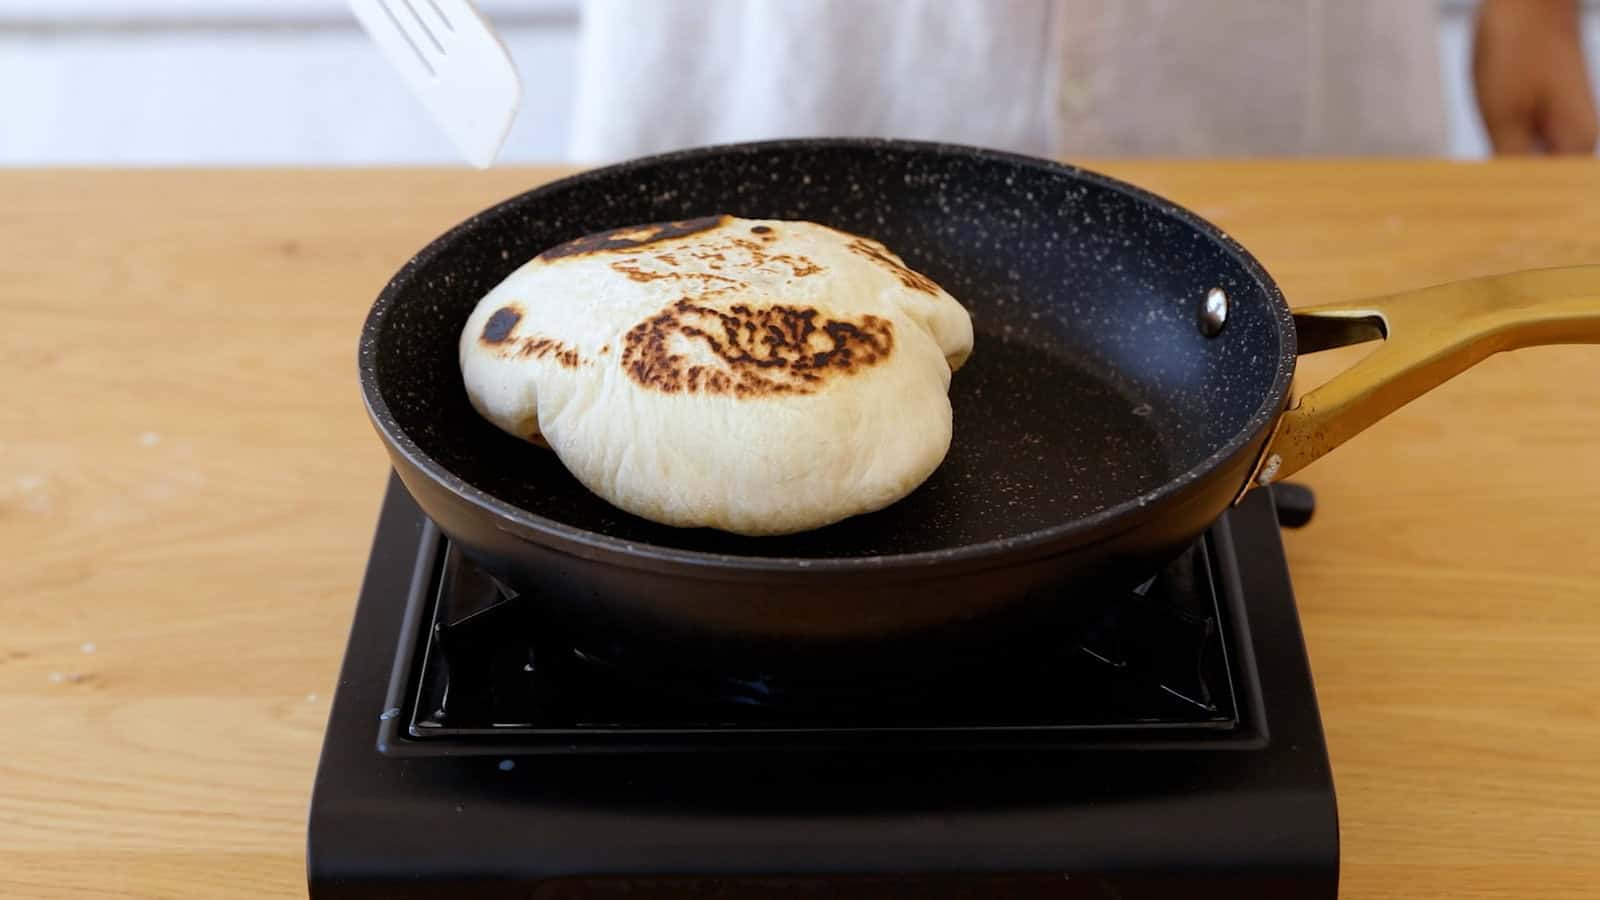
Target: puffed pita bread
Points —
{"points": [[755, 376]]}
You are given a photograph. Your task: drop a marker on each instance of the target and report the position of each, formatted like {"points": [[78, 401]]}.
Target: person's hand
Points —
{"points": [[1532, 83]]}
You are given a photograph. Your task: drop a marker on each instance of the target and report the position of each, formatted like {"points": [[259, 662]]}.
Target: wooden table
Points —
{"points": [[188, 486]]}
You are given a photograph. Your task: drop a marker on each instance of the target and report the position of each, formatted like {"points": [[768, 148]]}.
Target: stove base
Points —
{"points": [[1245, 813]]}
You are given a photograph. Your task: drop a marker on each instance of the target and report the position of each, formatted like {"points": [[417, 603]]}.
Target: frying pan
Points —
{"points": [[1130, 380]]}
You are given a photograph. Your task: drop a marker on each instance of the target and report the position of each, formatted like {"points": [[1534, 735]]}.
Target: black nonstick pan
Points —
{"points": [[1130, 379]]}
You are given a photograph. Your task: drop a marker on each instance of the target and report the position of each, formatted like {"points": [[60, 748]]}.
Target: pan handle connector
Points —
{"points": [[1430, 336]]}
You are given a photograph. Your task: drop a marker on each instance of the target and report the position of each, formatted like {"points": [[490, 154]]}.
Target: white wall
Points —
{"points": [[233, 82], [246, 82]]}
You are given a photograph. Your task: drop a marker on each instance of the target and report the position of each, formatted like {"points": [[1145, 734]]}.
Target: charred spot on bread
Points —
{"points": [[500, 325], [880, 255], [751, 350], [632, 237]]}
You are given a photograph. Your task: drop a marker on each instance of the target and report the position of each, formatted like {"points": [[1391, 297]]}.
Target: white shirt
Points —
{"points": [[1046, 77]]}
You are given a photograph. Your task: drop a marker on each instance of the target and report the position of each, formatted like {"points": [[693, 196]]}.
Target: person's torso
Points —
{"points": [[1048, 77]]}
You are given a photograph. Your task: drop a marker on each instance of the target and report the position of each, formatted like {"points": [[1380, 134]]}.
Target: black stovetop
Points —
{"points": [[1174, 750]]}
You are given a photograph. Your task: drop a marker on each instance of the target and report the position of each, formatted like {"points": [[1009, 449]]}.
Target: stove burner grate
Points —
{"points": [[1156, 657]]}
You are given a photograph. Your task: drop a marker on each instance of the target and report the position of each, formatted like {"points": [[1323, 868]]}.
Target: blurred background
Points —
{"points": [[296, 82]]}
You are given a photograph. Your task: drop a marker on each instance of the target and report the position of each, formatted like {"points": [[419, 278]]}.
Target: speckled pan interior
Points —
{"points": [[1090, 390]]}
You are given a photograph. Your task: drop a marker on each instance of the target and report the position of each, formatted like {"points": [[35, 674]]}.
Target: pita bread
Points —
{"points": [[759, 377]]}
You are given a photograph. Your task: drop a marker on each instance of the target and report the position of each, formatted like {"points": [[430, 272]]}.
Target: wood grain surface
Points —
{"points": [[188, 487]]}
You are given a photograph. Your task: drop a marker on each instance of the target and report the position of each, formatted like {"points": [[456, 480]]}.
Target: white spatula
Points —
{"points": [[454, 62]]}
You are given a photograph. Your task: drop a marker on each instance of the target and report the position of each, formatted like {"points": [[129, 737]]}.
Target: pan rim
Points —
{"points": [[1052, 540]]}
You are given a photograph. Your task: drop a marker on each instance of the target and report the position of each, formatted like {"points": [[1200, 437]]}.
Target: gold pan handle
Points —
{"points": [[1430, 335]]}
